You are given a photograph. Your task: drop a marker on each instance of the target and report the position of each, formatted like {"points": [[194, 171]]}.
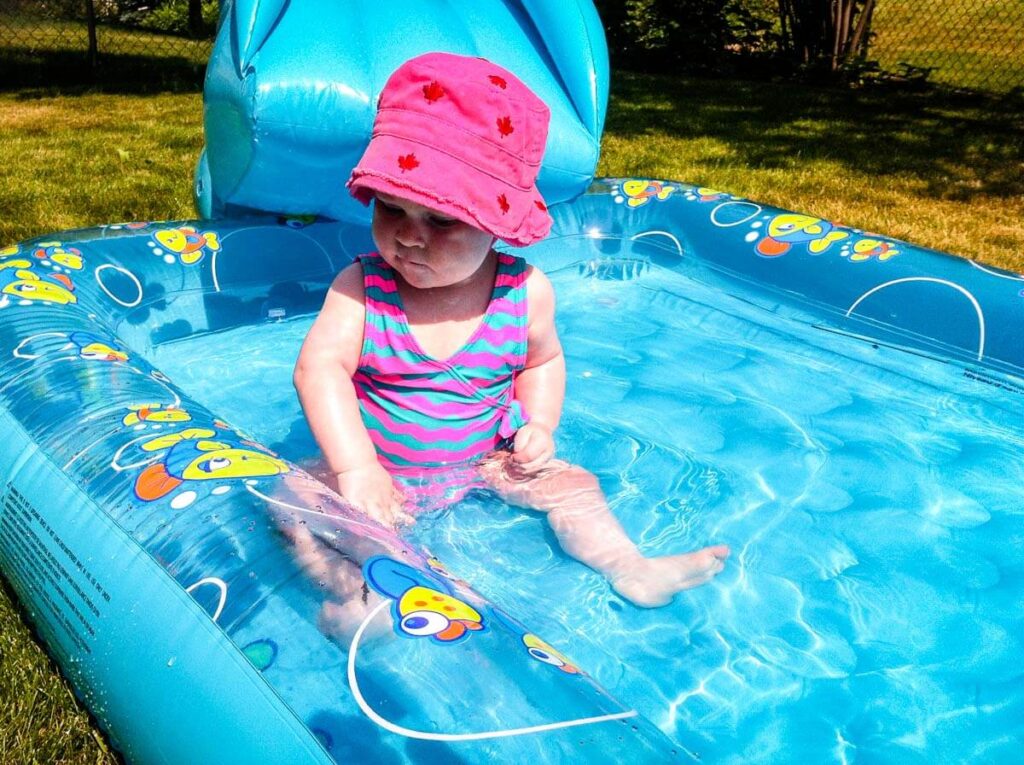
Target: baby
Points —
{"points": [[434, 363]]}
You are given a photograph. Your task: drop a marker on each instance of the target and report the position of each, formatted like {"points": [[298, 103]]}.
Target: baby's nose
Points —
{"points": [[410, 233]]}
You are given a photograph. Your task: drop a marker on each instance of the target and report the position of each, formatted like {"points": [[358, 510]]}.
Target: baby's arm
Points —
{"points": [[323, 379], [540, 387]]}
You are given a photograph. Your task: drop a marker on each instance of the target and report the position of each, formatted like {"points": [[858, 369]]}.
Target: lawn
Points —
{"points": [[967, 45], [938, 169], [943, 170]]}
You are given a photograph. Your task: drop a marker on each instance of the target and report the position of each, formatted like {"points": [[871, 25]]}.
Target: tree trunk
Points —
{"points": [[90, 19], [825, 33], [195, 18], [859, 41]]}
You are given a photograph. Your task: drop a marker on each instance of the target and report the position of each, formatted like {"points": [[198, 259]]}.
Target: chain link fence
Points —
{"points": [[46, 42], [968, 44]]}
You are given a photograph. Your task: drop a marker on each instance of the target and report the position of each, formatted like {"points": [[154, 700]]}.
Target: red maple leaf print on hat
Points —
{"points": [[433, 91], [503, 204], [408, 162], [499, 81], [505, 126]]}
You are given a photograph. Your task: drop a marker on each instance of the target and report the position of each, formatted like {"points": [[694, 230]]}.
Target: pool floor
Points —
{"points": [[873, 607]]}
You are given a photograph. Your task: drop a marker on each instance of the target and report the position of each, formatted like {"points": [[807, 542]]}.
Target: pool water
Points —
{"points": [[873, 607]]}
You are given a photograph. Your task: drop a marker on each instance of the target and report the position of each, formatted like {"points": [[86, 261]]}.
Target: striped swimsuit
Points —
{"points": [[426, 415]]}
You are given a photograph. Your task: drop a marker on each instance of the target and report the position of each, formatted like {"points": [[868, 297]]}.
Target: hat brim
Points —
{"points": [[432, 178]]}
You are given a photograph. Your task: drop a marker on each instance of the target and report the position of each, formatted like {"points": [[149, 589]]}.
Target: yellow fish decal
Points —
{"points": [[865, 249], [423, 607], [544, 652], [187, 243], [69, 257], [640, 192], [192, 456], [787, 229], [154, 413], [17, 280]]}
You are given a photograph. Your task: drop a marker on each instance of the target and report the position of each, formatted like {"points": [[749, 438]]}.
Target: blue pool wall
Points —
{"points": [[108, 580]]}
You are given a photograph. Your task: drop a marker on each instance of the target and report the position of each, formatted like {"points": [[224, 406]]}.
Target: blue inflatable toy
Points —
{"points": [[211, 601]]}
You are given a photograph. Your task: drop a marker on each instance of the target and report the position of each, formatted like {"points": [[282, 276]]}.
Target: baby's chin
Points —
{"points": [[420, 277]]}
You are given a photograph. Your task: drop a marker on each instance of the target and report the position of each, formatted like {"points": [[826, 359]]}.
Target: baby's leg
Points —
{"points": [[347, 599], [588, 531]]}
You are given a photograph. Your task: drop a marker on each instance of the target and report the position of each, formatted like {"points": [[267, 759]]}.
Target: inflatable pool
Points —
{"points": [[840, 407]]}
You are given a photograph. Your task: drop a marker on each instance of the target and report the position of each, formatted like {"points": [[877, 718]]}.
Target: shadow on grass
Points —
{"points": [[32, 73], [960, 146]]}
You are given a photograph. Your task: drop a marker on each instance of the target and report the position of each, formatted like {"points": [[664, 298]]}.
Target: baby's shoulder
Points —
{"points": [[535, 278], [540, 294], [349, 282]]}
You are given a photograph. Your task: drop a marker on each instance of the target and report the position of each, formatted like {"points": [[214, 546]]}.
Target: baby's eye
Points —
{"points": [[388, 209], [443, 222]]}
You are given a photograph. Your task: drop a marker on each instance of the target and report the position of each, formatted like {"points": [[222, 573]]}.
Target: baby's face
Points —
{"points": [[426, 247]]}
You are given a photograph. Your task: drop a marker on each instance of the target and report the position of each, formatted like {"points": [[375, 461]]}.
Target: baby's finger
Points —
{"points": [[399, 509], [382, 513], [537, 461], [529, 449], [404, 518], [521, 445]]}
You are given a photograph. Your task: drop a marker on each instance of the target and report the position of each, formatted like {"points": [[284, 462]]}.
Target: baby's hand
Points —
{"points": [[533, 446], [369, 488]]}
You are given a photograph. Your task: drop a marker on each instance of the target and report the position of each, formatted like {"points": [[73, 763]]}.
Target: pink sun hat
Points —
{"points": [[464, 137]]}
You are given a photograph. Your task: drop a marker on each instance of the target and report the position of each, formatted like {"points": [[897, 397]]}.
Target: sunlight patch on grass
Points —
{"points": [[968, 45], [941, 171], [87, 160]]}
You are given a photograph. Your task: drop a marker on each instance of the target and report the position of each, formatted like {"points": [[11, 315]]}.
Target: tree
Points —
{"points": [[828, 34], [195, 18], [669, 35]]}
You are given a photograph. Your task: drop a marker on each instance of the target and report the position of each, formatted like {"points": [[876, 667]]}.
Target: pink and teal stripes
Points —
{"points": [[423, 411]]}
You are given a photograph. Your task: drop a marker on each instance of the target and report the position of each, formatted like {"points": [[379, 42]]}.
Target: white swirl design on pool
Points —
{"points": [[428, 736], [33, 356], [213, 256], [115, 463], [1011, 277], [954, 285], [220, 584], [714, 214], [665, 234], [110, 294]]}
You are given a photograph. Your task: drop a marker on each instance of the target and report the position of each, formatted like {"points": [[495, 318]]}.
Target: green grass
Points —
{"points": [[969, 45], [942, 170], [34, 50], [96, 158], [946, 171], [40, 720]]}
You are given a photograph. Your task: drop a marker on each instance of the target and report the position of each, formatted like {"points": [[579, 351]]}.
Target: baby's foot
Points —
{"points": [[653, 581]]}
